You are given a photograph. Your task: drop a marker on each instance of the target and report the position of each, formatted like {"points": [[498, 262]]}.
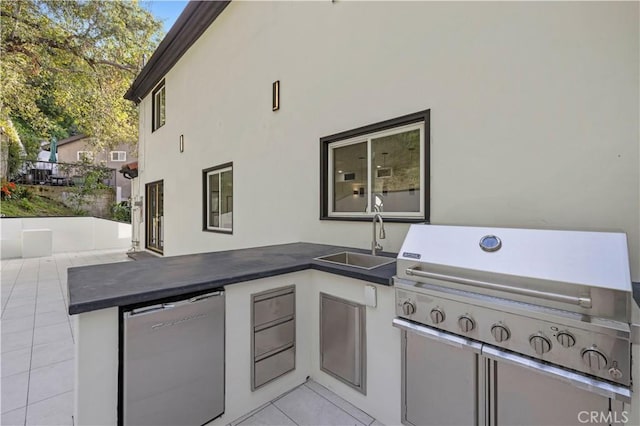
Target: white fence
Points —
{"points": [[61, 234]]}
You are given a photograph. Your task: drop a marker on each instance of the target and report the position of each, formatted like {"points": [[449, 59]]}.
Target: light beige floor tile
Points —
{"points": [[14, 417], [51, 353], [50, 380], [14, 362], [14, 391], [305, 407], [335, 399], [54, 411], [268, 416]]}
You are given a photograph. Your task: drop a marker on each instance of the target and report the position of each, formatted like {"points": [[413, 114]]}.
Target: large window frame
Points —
{"points": [[417, 121], [206, 199], [158, 107]]}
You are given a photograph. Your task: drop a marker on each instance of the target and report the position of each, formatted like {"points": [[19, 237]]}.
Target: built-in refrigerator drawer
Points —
{"points": [[173, 362]]}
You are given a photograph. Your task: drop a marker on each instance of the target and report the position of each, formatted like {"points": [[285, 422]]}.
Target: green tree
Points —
{"points": [[65, 66]]}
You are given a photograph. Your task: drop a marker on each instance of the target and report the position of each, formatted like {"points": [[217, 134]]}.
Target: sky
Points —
{"points": [[165, 10]]}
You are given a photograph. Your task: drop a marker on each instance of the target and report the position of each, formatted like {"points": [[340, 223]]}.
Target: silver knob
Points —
{"points": [[408, 308], [566, 339], [466, 323], [500, 332], [594, 359], [540, 344], [437, 315]]}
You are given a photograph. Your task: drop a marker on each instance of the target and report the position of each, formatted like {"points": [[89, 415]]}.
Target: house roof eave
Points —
{"points": [[190, 25]]}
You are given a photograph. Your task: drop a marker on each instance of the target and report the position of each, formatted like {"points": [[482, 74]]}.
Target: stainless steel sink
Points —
{"points": [[358, 260]]}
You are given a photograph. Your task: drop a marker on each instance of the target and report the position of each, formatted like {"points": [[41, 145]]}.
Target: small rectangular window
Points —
{"points": [[218, 198], [382, 168], [84, 156], [118, 156], [158, 107]]}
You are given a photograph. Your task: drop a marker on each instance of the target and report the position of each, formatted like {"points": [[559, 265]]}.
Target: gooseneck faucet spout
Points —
{"points": [[375, 246]]}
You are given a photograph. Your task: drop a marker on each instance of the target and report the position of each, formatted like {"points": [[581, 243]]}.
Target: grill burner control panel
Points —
{"points": [[592, 348]]}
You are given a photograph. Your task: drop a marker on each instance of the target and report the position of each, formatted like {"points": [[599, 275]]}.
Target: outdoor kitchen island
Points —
{"points": [[98, 295]]}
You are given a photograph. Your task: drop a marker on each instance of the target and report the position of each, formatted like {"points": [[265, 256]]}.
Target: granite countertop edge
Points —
{"points": [[96, 287]]}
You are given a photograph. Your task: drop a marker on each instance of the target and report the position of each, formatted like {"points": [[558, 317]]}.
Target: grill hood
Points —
{"points": [[583, 272]]}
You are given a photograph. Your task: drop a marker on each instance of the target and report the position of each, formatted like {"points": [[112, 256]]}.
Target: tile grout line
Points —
{"points": [[33, 333], [11, 291], [331, 402], [285, 414], [64, 300]]}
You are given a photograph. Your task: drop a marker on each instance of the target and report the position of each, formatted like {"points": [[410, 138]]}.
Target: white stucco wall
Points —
{"points": [[534, 115], [69, 234]]}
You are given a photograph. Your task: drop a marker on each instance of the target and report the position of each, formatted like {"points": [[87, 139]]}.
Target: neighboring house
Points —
{"points": [[273, 122], [75, 148]]}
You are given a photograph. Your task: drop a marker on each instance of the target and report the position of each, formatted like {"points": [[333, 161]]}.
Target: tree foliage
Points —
{"points": [[66, 65]]}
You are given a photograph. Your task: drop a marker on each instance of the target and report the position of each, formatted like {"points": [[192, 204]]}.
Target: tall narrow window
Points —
{"points": [[218, 198], [382, 168], [155, 216], [159, 104]]}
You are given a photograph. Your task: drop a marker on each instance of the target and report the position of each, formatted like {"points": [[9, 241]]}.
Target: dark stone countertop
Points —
{"points": [[127, 283]]}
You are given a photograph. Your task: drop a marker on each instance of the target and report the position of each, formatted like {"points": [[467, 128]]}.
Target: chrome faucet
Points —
{"points": [[374, 244]]}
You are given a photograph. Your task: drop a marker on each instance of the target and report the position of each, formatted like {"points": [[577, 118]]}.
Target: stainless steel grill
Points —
{"points": [[559, 298]]}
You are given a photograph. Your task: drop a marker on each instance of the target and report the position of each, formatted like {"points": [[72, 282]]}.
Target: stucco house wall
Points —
{"points": [[534, 115]]}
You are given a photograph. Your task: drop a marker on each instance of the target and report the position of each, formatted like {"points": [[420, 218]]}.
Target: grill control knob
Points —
{"points": [[500, 332], [466, 323], [594, 359], [408, 308], [566, 339], [540, 344], [437, 315]]}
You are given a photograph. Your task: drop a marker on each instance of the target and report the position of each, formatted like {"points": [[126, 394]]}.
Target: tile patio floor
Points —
{"points": [[37, 344], [37, 359]]}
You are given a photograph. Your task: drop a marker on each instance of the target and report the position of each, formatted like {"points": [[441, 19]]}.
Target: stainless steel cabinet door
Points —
{"points": [[524, 397], [440, 383], [342, 340]]}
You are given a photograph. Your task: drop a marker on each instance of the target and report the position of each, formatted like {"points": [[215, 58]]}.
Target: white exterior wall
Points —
{"points": [[69, 234], [534, 115]]}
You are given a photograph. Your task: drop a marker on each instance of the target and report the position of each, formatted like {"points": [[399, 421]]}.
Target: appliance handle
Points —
{"points": [[598, 387], [437, 335], [149, 309], [206, 296], [584, 302]]}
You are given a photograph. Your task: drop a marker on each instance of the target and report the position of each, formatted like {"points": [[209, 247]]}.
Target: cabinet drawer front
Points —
{"points": [[268, 310], [274, 366], [274, 337]]}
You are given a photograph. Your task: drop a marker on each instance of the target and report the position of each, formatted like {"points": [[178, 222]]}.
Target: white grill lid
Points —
{"points": [[598, 259]]}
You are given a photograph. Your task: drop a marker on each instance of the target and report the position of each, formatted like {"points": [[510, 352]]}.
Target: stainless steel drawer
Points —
{"points": [[273, 308], [275, 337], [274, 366]]}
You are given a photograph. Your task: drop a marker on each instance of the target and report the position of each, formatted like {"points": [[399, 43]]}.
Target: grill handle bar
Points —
{"points": [[584, 302]]}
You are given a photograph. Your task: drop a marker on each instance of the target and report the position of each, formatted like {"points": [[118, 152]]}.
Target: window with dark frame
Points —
{"points": [[217, 199], [154, 216], [380, 168], [158, 106]]}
